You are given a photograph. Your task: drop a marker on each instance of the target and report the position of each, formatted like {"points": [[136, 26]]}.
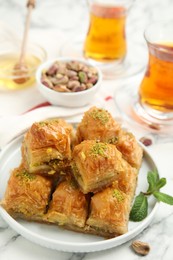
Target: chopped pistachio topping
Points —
{"points": [[118, 194], [26, 175], [97, 228], [101, 115], [74, 169], [83, 155], [49, 150], [34, 164], [73, 184], [47, 122], [55, 163], [113, 140], [99, 149], [51, 172], [43, 123], [62, 173]]}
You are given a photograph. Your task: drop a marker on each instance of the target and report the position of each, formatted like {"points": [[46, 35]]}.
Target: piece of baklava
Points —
{"points": [[96, 165], [46, 147], [27, 195], [69, 206], [132, 152], [127, 180], [97, 124], [109, 212]]}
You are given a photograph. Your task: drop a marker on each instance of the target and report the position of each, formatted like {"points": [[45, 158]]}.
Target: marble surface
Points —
{"points": [[53, 23]]}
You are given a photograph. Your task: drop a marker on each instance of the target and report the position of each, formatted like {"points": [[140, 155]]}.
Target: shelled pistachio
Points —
{"points": [[70, 76]]}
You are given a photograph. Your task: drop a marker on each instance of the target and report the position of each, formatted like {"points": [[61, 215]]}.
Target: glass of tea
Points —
{"points": [[156, 88], [105, 43], [106, 38], [148, 103]]}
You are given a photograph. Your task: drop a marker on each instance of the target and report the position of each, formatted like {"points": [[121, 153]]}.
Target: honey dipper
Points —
{"points": [[21, 67]]}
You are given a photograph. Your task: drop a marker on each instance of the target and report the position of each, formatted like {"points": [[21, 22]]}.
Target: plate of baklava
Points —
{"points": [[70, 187]]}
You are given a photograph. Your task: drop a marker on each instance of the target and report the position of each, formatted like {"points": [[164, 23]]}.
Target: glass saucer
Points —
{"points": [[126, 100], [134, 62]]}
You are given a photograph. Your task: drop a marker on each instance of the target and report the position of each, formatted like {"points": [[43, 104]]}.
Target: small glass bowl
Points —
{"points": [[12, 78]]}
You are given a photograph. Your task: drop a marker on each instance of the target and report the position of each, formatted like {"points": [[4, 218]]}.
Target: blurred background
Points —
{"points": [[67, 17], [57, 22]]}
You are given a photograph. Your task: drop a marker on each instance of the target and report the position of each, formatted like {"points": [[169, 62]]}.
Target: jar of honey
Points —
{"points": [[10, 78]]}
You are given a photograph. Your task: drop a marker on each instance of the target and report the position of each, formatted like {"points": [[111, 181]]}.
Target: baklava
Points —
{"points": [[46, 147], [27, 195], [96, 165], [127, 180], [86, 185], [97, 124], [127, 144], [69, 206], [109, 212]]}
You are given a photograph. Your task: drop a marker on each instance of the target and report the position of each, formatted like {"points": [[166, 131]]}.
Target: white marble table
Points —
{"points": [[54, 22]]}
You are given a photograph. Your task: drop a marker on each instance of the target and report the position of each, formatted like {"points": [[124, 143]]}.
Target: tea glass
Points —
{"points": [[149, 103], [105, 42], [106, 38], [156, 88]]}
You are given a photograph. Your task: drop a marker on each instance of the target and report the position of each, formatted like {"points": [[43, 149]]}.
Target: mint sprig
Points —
{"points": [[163, 197], [139, 209], [152, 178]]}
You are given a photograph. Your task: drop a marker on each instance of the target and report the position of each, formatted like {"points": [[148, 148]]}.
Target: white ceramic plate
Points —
{"points": [[64, 240]]}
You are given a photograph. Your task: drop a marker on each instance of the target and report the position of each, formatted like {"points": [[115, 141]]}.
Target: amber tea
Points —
{"points": [[156, 89], [106, 40]]}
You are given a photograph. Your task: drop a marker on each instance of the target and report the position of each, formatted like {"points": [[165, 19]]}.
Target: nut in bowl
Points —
{"points": [[68, 82]]}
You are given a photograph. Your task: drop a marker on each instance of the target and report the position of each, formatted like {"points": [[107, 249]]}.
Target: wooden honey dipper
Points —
{"points": [[21, 67]]}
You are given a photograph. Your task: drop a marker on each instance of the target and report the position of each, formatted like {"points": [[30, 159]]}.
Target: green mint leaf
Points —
{"points": [[139, 210], [151, 181], [163, 197], [152, 178], [156, 175], [160, 184]]}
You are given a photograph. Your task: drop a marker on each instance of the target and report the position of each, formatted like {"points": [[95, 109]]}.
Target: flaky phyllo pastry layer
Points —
{"points": [[46, 147], [81, 179]]}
